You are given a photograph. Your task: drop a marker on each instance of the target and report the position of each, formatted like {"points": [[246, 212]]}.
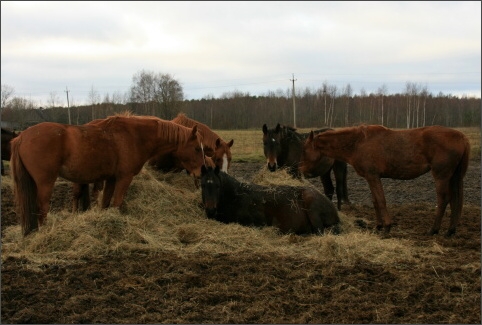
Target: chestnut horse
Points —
{"points": [[214, 146], [81, 193], [7, 136], [292, 209], [114, 150], [377, 152], [283, 147]]}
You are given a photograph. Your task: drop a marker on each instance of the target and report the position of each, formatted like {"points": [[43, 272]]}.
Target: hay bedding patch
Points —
{"points": [[164, 213]]}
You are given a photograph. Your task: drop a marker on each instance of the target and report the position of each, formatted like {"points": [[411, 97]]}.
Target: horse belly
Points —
{"points": [[288, 217], [406, 170]]}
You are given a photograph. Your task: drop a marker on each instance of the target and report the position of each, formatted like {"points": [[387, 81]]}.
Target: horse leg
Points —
{"points": [[108, 192], [98, 187], [75, 196], [80, 194], [44, 193], [379, 203], [328, 187], [340, 170], [442, 189], [120, 190], [3, 169]]}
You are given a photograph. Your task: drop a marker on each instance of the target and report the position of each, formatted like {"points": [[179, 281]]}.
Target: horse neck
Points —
{"points": [[209, 137], [230, 186], [170, 136], [339, 144], [291, 146]]}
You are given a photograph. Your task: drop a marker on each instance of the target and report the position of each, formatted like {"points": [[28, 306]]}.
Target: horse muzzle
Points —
{"points": [[211, 212], [271, 166]]}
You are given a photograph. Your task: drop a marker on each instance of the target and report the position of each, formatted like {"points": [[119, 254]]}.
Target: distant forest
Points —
{"points": [[162, 96]]}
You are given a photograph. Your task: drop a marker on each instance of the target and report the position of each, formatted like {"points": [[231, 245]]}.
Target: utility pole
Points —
{"points": [[68, 104], [294, 104]]}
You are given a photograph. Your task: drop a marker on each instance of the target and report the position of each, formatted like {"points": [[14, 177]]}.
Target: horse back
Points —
{"points": [[78, 153]]}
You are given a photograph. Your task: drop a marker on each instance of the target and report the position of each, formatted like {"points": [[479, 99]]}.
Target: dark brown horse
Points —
{"points": [[114, 150], [214, 146], [377, 152], [300, 210], [283, 147], [7, 136]]}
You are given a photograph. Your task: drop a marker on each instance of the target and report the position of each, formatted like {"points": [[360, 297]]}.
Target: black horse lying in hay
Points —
{"points": [[292, 209]]}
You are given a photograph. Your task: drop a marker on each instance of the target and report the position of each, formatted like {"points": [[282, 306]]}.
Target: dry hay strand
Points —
{"points": [[279, 177]]}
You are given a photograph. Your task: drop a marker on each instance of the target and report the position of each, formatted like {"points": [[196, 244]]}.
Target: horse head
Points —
{"points": [[272, 145], [191, 154], [310, 155], [222, 154], [211, 189]]}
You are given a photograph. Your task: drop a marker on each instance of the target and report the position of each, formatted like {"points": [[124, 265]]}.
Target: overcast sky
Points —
{"points": [[213, 48]]}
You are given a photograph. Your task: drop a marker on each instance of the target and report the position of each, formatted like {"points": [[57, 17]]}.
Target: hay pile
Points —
{"points": [[164, 214]]}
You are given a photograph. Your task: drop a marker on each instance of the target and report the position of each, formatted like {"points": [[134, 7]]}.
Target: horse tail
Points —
{"points": [[25, 191], [457, 184]]}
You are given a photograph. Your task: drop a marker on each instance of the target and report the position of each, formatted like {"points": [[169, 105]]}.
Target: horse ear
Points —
{"points": [[230, 143], [265, 128], [218, 142], [194, 131], [278, 128]]}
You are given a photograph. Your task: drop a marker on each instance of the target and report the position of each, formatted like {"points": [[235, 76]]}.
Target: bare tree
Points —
{"points": [[142, 89], [160, 94], [411, 92], [382, 92], [94, 99], [347, 93], [169, 95], [7, 92], [53, 99]]}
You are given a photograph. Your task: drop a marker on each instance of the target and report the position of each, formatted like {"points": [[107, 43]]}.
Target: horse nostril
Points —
{"points": [[272, 167]]}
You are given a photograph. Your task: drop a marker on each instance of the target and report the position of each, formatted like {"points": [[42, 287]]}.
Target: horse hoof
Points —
{"points": [[450, 233], [432, 232]]}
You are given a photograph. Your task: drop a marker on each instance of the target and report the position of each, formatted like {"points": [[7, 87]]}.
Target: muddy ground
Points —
{"points": [[266, 289]]}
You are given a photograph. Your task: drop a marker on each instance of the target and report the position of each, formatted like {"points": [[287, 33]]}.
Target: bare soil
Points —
{"points": [[247, 288]]}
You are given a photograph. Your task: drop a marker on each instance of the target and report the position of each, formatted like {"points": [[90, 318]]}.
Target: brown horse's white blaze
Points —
{"points": [[377, 152]]}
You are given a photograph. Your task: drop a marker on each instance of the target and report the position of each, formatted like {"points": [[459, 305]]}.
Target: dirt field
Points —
{"points": [[262, 288]]}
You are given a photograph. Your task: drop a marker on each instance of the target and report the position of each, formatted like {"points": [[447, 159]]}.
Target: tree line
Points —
{"points": [[161, 95]]}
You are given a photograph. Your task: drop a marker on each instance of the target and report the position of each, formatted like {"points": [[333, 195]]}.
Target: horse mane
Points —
{"points": [[209, 136], [173, 131], [166, 129]]}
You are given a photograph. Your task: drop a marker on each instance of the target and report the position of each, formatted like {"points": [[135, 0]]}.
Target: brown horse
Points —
{"points": [[214, 146], [114, 150], [292, 209], [377, 152], [7, 136], [81, 193]]}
